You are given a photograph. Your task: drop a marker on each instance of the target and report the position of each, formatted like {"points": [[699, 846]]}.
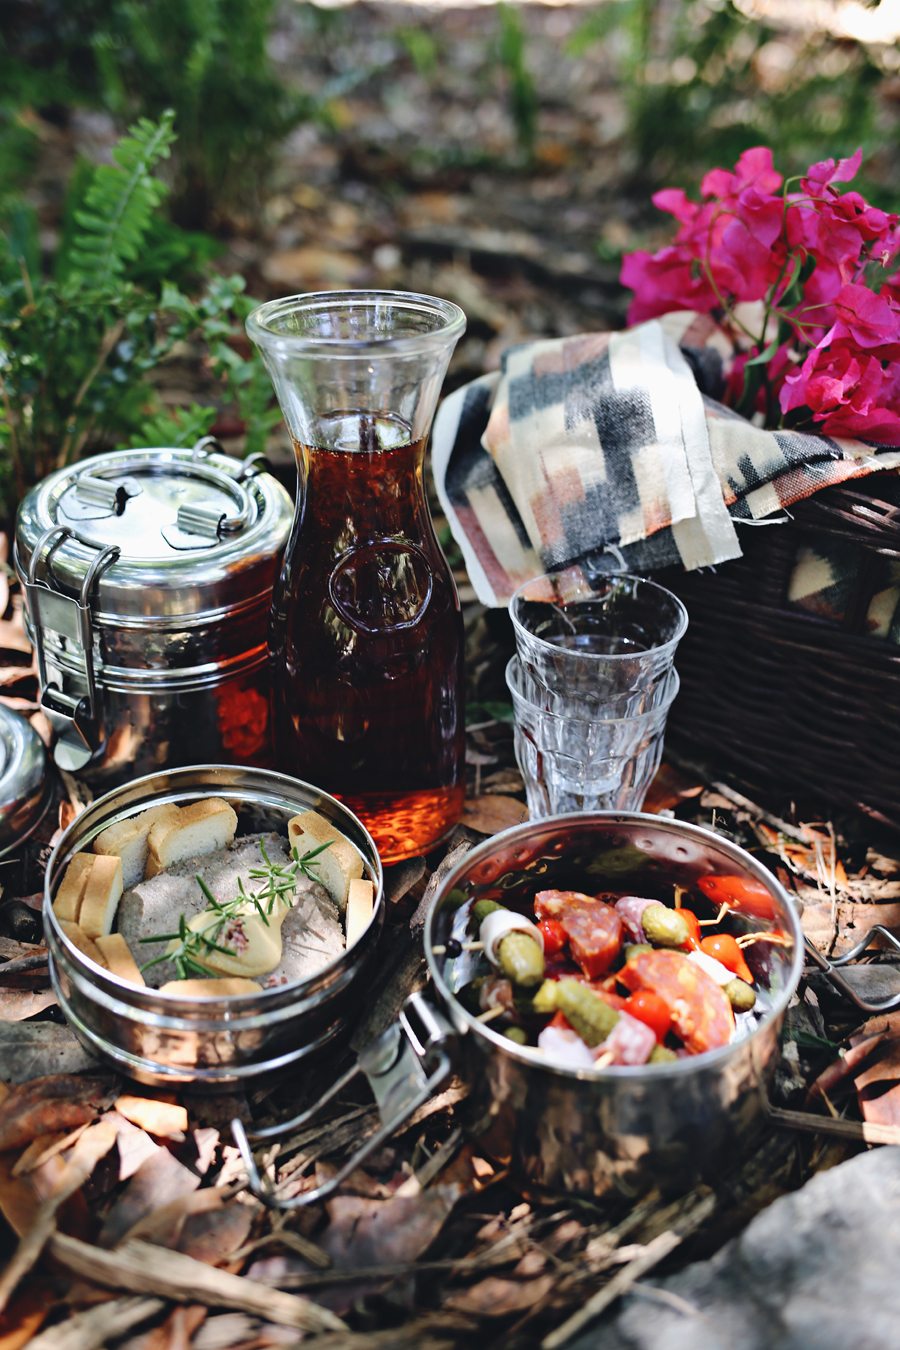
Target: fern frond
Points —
{"points": [[120, 201]]}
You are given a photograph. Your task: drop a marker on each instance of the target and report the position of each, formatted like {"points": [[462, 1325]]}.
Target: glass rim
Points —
{"points": [[671, 677], [613, 657], [262, 330]]}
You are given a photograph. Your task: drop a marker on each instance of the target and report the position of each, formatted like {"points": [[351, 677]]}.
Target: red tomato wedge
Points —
{"points": [[555, 936], [652, 1010], [593, 927], [700, 1011], [741, 893]]}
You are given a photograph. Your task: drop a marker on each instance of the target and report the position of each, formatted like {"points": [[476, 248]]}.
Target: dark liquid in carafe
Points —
{"points": [[367, 646]]}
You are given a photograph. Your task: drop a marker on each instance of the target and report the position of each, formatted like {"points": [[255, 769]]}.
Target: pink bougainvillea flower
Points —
{"points": [[818, 176], [867, 319], [753, 169], [665, 281], [847, 393]]}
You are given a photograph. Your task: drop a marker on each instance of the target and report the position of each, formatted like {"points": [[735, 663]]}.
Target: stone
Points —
{"points": [[818, 1268]]}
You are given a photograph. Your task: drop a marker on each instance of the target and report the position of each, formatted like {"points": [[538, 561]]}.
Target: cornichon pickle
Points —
{"points": [[664, 927], [521, 959], [740, 995], [544, 1000], [482, 908], [588, 1013], [661, 1054], [516, 1034]]}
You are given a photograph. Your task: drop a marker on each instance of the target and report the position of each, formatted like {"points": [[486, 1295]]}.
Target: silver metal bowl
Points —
{"points": [[212, 1042], [622, 1127]]}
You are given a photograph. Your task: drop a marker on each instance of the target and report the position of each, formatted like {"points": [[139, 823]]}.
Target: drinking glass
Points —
{"points": [[596, 638], [580, 760]]}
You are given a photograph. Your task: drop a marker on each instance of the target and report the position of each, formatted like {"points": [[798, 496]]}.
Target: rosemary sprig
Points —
{"points": [[278, 880]]}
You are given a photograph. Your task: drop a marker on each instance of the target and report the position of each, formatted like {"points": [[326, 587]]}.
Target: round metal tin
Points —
{"points": [[26, 785], [211, 1042]]}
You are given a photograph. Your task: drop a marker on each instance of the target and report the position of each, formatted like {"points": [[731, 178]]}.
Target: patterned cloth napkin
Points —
{"points": [[601, 448]]}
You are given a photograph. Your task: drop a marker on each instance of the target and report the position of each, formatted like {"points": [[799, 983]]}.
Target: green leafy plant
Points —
{"points": [[209, 61], [79, 343], [523, 97], [702, 82]]}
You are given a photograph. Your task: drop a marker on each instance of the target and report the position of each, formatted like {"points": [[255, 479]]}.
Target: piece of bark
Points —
{"points": [[95, 1328], [144, 1268]]}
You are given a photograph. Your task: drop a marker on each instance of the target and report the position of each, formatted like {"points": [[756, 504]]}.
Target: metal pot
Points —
{"points": [[147, 577], [587, 1131], [211, 1042]]}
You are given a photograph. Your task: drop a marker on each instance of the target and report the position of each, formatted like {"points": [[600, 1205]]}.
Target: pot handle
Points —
{"points": [[404, 1066], [833, 975]]}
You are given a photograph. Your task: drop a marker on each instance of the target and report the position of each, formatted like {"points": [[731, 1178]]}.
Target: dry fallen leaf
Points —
{"points": [[491, 813], [47, 1105], [164, 1119], [878, 1081], [17, 1004], [157, 1182], [497, 1297]]}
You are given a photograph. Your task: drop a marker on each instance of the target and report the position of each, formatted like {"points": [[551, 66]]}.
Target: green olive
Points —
{"points": [[661, 1054], [664, 927], [740, 995], [482, 908], [517, 1035]]}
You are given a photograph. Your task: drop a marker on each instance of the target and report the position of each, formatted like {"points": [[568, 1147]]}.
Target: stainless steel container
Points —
{"points": [[587, 1131], [147, 577], [26, 783], [209, 1042]]}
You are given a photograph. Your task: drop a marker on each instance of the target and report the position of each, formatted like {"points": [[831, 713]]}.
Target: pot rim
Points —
{"points": [[535, 1059], [163, 1004]]}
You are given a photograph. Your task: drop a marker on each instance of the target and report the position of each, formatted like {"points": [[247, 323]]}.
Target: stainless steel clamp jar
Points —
{"points": [[147, 577]]}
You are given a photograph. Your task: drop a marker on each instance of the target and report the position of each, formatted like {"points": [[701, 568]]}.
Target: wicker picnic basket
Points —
{"points": [[794, 705]]}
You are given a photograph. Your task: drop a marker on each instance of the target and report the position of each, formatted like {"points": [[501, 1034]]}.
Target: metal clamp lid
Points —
{"points": [[74, 715], [404, 1066]]}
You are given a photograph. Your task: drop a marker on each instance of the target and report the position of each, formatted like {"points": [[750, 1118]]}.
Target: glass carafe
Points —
{"points": [[366, 638]]}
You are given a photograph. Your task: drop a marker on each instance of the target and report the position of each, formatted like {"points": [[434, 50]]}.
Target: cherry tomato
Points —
{"points": [[555, 937], [701, 1013], [653, 1011], [743, 893], [693, 924], [725, 949]]}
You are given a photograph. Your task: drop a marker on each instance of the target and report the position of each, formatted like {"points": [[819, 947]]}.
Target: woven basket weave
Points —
{"points": [[794, 706]]}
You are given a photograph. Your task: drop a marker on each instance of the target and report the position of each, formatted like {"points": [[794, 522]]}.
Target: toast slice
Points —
{"points": [[102, 894], [128, 840], [116, 955], [198, 829], [80, 939], [337, 865], [70, 894], [224, 988], [360, 906]]}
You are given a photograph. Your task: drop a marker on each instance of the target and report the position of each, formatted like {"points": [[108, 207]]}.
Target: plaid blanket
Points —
{"points": [[603, 449]]}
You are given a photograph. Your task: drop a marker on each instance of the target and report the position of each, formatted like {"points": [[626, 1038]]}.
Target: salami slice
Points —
{"points": [[593, 927], [701, 1013]]}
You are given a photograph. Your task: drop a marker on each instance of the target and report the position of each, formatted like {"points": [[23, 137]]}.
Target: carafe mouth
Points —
{"points": [[351, 324]]}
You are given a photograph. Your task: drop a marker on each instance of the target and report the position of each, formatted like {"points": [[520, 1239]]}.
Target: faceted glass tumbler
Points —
{"points": [[596, 638], [587, 763]]}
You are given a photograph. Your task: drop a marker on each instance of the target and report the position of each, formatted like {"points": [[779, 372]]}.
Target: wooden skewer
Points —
{"points": [[464, 946]]}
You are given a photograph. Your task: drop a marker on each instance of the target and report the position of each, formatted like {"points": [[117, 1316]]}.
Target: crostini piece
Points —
{"points": [[127, 839], [102, 894], [201, 828], [337, 865]]}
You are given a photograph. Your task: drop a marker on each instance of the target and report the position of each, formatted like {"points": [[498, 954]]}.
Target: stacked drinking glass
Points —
{"points": [[592, 684]]}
